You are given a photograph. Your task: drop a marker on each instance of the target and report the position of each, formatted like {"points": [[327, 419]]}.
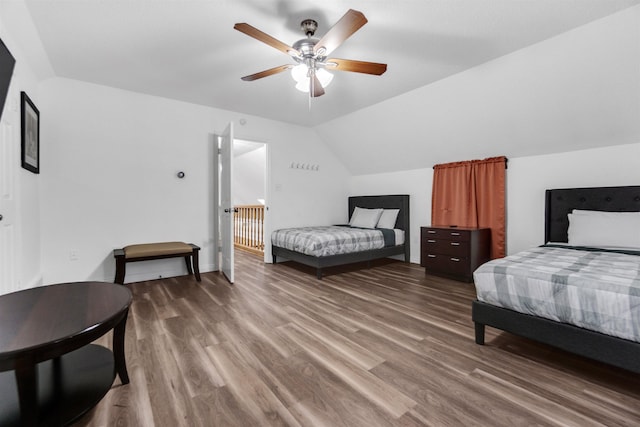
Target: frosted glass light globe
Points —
{"points": [[300, 75]]}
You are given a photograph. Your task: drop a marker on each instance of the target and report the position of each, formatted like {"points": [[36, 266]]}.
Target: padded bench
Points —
{"points": [[149, 251]]}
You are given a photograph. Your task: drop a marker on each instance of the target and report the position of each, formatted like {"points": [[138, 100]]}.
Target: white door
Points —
{"points": [[226, 201], [9, 161]]}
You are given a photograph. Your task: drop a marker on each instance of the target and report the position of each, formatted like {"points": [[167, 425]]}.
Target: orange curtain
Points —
{"points": [[472, 194]]}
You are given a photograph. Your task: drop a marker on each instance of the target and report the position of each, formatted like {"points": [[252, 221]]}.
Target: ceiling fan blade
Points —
{"points": [[342, 30], [315, 87], [355, 66], [267, 73], [266, 38]]}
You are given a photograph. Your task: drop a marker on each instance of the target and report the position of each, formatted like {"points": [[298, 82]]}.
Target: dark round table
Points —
{"points": [[50, 374]]}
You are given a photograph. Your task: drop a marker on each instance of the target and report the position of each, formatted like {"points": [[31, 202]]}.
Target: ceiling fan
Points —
{"points": [[311, 54]]}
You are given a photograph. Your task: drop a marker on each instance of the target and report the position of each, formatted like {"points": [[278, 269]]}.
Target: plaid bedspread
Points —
{"points": [[328, 240], [595, 290]]}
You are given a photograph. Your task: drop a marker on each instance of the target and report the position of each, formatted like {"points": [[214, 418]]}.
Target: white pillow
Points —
{"points": [[354, 215], [365, 218], [388, 218], [612, 215], [604, 230]]}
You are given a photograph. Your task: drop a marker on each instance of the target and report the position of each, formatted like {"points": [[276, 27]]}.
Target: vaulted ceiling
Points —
{"points": [[188, 50]]}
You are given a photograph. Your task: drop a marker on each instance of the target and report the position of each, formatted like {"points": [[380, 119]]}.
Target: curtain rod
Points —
{"points": [[506, 161]]}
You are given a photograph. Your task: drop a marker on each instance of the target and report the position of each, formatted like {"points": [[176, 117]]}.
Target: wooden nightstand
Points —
{"points": [[454, 252]]}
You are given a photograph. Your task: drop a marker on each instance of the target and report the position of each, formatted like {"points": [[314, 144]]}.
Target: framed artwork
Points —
{"points": [[30, 121]]}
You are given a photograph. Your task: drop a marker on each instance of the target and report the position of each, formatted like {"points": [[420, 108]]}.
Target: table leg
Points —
{"points": [[58, 392], [27, 381], [118, 349], [56, 365]]}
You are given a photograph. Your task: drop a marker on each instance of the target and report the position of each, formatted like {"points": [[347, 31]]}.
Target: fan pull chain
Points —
{"points": [[311, 87]]}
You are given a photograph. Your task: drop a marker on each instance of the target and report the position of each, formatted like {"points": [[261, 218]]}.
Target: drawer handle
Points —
{"points": [[431, 241], [455, 259], [455, 234], [431, 256], [455, 244], [431, 232]]}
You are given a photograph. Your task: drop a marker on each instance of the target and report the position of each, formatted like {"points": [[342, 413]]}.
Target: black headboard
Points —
{"points": [[396, 201], [560, 202]]}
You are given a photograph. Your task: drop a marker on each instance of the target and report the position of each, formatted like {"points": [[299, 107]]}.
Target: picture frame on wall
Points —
{"points": [[30, 122]]}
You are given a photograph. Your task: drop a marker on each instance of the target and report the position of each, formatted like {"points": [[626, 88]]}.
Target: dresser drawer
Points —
{"points": [[447, 247], [447, 264], [454, 252], [446, 233]]}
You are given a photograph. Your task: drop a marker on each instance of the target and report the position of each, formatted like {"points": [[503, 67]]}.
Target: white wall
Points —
{"points": [[26, 185], [109, 177], [249, 171]]}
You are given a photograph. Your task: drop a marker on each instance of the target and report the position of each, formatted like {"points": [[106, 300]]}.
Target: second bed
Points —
{"points": [[378, 228]]}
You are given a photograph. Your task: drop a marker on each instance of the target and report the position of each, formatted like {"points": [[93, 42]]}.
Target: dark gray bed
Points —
{"points": [[615, 351], [400, 202]]}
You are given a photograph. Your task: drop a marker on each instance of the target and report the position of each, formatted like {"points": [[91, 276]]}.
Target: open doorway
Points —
{"points": [[249, 195]]}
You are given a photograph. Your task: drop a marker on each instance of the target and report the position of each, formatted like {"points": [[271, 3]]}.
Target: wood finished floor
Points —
{"points": [[386, 346]]}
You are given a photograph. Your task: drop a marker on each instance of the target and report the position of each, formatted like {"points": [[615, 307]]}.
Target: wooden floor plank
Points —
{"points": [[384, 346], [333, 402], [248, 389], [363, 381]]}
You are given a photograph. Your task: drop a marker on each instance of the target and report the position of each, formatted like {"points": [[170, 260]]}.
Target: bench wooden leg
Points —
{"points": [[187, 261], [196, 264], [120, 268]]}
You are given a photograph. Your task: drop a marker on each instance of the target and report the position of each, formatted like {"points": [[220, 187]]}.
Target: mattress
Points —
{"points": [[335, 240], [592, 289]]}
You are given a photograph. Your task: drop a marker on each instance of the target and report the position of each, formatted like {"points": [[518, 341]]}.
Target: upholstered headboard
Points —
{"points": [[396, 201], [400, 201], [560, 202]]}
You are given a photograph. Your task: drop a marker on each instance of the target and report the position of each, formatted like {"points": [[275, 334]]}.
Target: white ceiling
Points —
{"points": [[188, 50], [241, 147]]}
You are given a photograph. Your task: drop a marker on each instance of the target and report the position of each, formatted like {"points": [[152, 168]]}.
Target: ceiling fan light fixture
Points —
{"points": [[300, 74], [311, 54], [303, 86], [324, 76]]}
